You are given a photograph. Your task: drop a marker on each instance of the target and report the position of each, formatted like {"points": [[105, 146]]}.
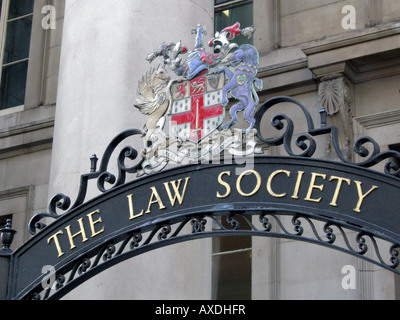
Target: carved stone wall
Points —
{"points": [[336, 94]]}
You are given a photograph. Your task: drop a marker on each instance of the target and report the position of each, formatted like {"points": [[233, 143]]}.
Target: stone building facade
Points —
{"points": [[84, 62]]}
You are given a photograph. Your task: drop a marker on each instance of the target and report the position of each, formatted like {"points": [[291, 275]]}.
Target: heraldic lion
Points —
{"points": [[153, 99], [242, 84]]}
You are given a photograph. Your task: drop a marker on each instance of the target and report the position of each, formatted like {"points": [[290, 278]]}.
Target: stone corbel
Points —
{"points": [[336, 94]]}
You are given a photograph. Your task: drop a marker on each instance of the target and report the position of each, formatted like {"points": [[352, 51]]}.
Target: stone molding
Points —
{"points": [[336, 95], [345, 52], [336, 92], [363, 123], [351, 38], [27, 137]]}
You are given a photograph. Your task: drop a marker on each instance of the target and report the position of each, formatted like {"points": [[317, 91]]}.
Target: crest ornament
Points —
{"points": [[193, 104], [153, 99]]}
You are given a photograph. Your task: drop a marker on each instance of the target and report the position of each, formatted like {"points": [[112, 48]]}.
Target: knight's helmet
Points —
{"points": [[197, 61]]}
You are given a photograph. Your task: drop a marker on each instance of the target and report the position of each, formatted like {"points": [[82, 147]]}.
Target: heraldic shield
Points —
{"points": [[196, 109]]}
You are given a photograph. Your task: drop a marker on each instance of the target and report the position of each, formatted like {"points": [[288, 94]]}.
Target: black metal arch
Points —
{"points": [[367, 236], [373, 236], [271, 222]]}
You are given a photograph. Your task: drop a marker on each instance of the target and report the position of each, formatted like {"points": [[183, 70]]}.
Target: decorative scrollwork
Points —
{"points": [[84, 266], [290, 225], [307, 144], [198, 224], [265, 222], [286, 138], [103, 176], [394, 255], [362, 246], [165, 231], [392, 168], [297, 225], [136, 239], [110, 250], [287, 135], [60, 280], [233, 222], [330, 235]]}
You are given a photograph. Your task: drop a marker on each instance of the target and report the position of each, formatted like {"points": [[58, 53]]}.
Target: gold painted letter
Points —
{"points": [[157, 200], [257, 187], [361, 196], [92, 223], [338, 187], [313, 186], [131, 213], [298, 183], [223, 183], [57, 243], [72, 236], [176, 191], [271, 177]]}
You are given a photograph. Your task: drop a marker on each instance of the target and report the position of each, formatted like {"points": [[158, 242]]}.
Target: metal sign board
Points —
{"points": [[112, 227], [293, 197]]}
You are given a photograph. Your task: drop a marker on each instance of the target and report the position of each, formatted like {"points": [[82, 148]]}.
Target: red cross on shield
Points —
{"points": [[196, 108]]}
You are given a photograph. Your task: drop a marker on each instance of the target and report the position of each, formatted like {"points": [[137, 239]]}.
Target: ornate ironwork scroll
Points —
{"points": [[265, 223], [308, 145], [103, 176]]}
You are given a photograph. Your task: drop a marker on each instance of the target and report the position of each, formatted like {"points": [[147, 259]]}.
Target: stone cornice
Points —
{"points": [[379, 119], [27, 136], [351, 38]]}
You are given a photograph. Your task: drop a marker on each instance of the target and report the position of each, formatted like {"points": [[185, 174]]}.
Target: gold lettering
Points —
{"points": [[176, 191], [72, 236], [57, 243], [131, 212], [157, 200], [239, 181], [338, 188], [269, 182], [361, 196], [313, 186], [93, 223], [223, 183], [298, 183]]}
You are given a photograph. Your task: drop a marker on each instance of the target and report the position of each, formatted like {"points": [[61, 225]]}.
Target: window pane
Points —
{"points": [[13, 82], [217, 2], [224, 244], [232, 276], [241, 13], [18, 40], [231, 264], [20, 8]]}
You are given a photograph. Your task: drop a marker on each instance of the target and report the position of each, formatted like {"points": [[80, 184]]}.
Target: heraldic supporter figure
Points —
{"points": [[155, 96], [242, 84]]}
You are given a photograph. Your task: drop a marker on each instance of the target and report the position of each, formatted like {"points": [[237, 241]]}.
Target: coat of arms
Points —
{"points": [[192, 105]]}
